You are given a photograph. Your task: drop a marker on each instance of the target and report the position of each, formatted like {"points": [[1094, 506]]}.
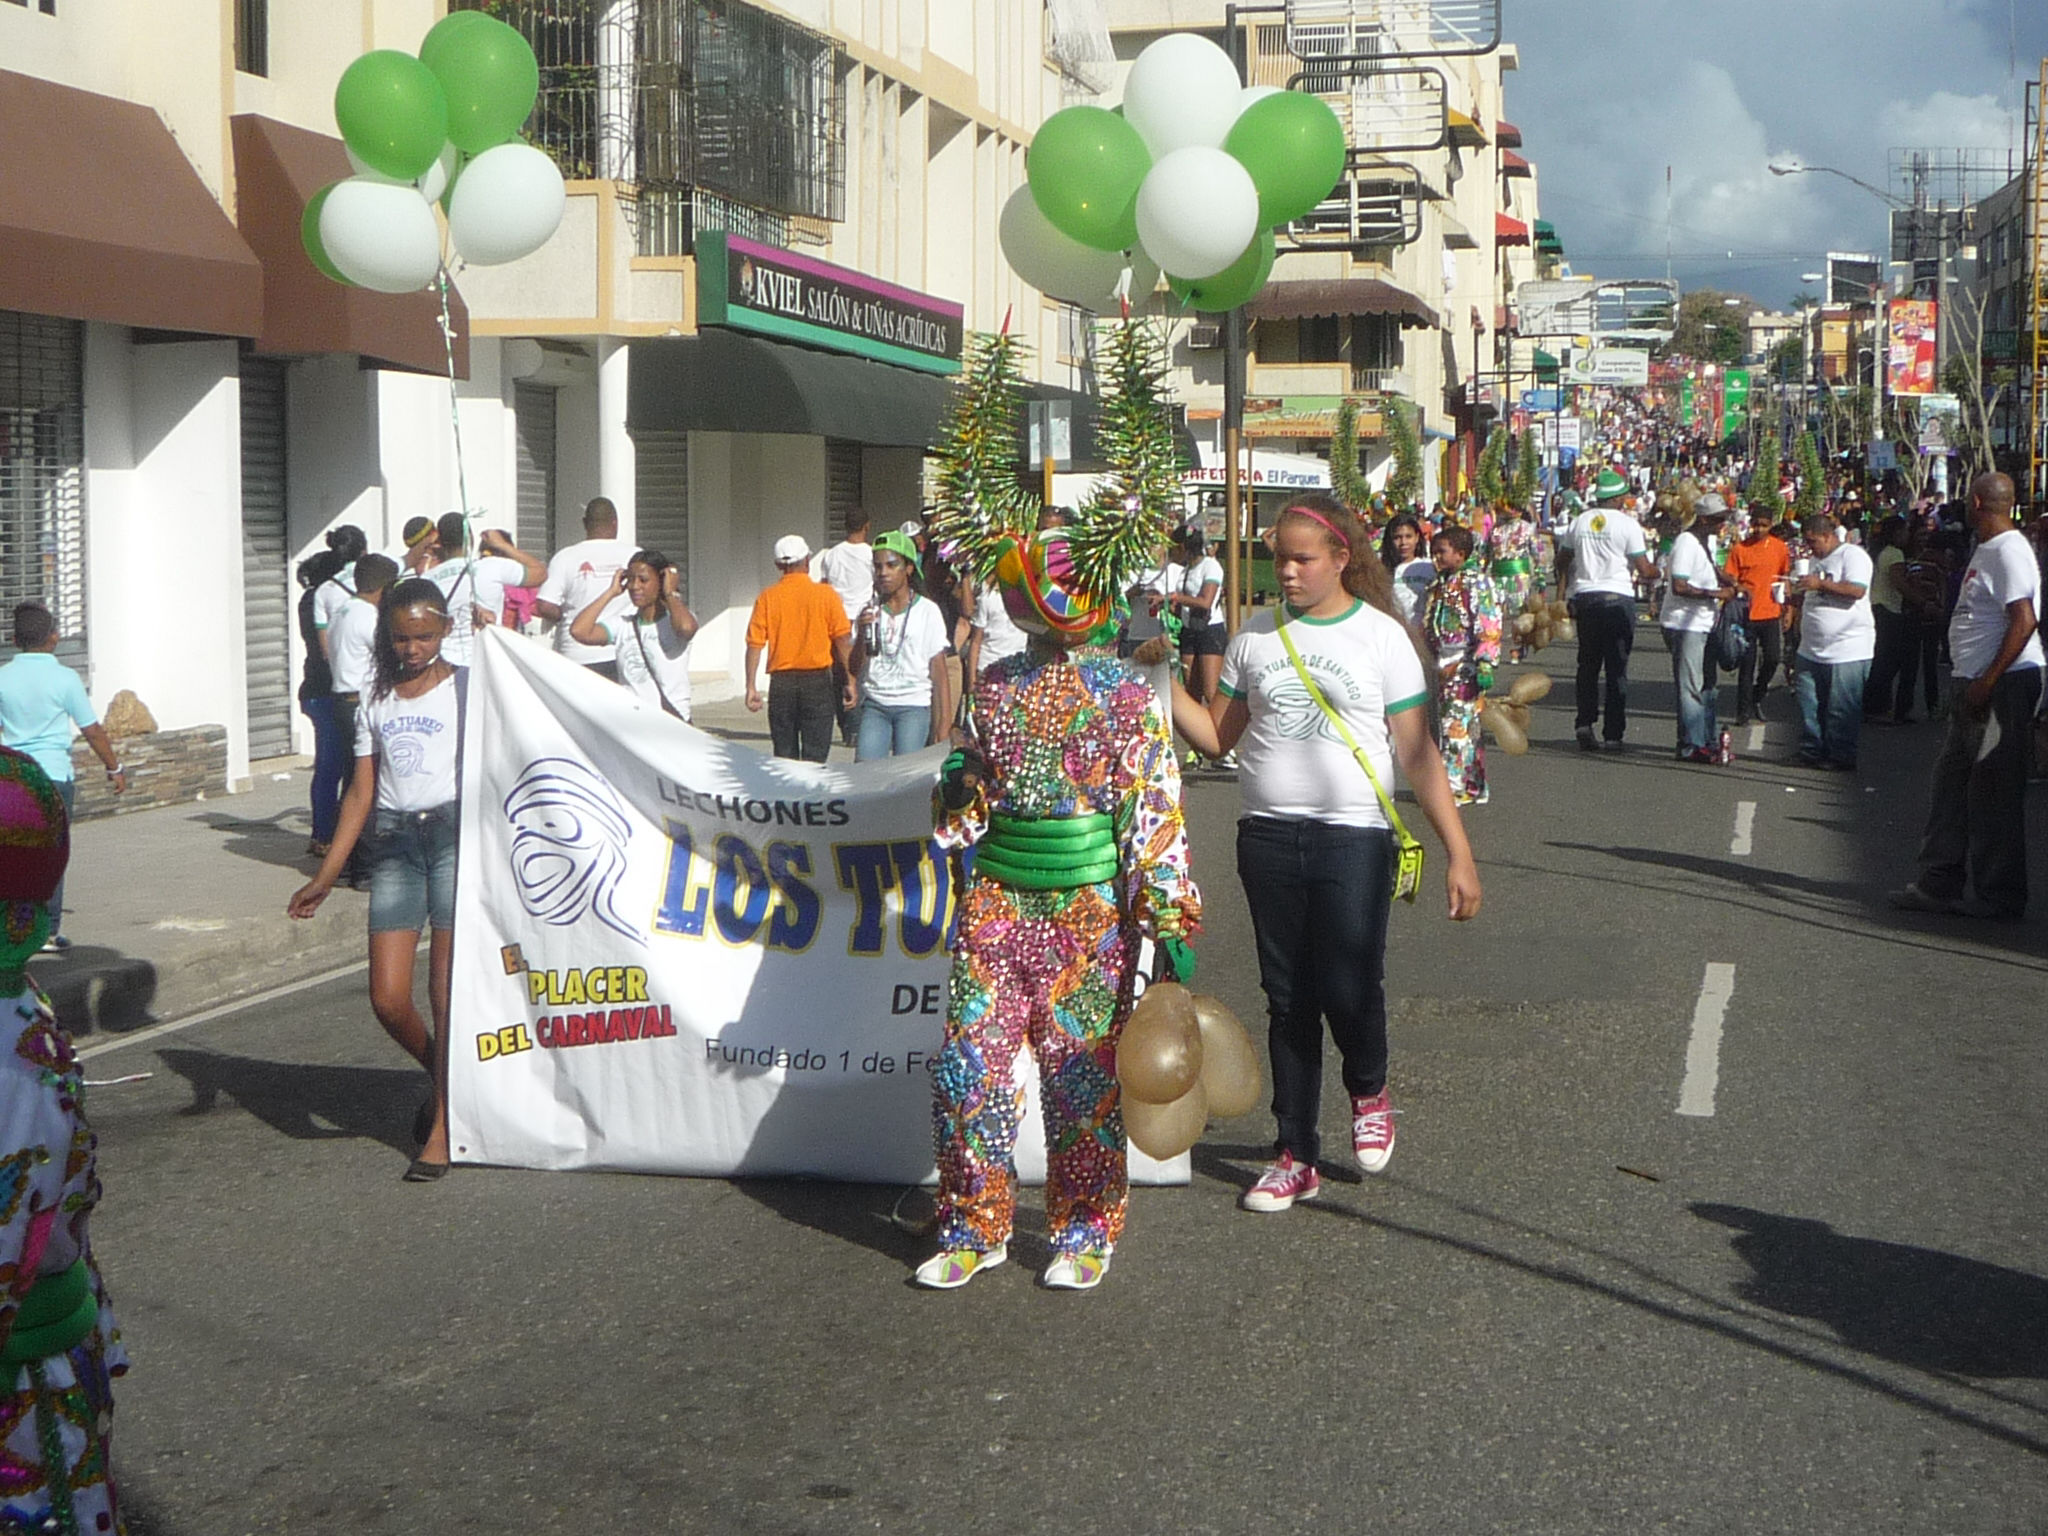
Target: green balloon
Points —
{"points": [[489, 73], [1085, 166], [1238, 283], [1293, 145], [309, 236], [392, 113]]}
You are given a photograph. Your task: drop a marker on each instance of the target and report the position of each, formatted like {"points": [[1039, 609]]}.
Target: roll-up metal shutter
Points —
{"points": [[842, 484], [534, 407], [661, 498], [266, 584], [42, 475]]}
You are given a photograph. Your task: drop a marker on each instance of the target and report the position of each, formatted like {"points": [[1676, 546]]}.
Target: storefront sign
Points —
{"points": [[1308, 415], [675, 954], [1909, 328], [754, 287], [1542, 399], [1559, 432]]}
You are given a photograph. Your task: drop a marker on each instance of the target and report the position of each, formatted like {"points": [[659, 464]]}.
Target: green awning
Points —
{"points": [[1545, 364]]}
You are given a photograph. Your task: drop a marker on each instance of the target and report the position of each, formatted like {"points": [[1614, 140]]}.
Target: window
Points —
{"points": [[1322, 339], [252, 36], [42, 472]]}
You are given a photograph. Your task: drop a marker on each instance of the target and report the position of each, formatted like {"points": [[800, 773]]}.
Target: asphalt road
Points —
{"points": [[1566, 1307]]}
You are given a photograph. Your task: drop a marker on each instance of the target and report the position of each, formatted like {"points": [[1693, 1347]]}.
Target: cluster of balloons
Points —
{"points": [[443, 128], [1190, 176], [1182, 1058], [1508, 718]]}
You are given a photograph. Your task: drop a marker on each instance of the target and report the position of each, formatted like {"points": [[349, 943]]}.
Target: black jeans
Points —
{"points": [[1908, 651], [802, 708], [1607, 632], [1977, 811], [1319, 895], [1760, 664]]}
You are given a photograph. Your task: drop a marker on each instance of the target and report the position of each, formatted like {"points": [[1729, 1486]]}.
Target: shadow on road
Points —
{"points": [[1920, 1307], [862, 1214], [279, 839], [307, 1102], [1743, 872]]}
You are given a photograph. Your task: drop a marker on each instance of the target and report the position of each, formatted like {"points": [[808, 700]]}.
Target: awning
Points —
{"points": [[1465, 133], [1506, 134], [1344, 296], [1507, 231], [1545, 364], [278, 168], [1512, 164], [722, 381], [1456, 236], [1546, 237], [103, 218]]}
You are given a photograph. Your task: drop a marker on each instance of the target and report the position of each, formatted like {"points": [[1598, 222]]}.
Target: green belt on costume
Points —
{"points": [[1518, 566], [58, 1312], [1047, 853]]}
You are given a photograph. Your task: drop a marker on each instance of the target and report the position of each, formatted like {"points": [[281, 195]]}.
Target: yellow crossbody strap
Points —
{"points": [[1402, 836]]}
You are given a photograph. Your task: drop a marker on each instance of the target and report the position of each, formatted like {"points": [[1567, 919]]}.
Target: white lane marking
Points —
{"points": [[158, 1031], [1756, 737], [1703, 1053], [1745, 826]]}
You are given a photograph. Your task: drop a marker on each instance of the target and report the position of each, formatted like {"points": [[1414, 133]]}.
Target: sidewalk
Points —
{"points": [[175, 910]]}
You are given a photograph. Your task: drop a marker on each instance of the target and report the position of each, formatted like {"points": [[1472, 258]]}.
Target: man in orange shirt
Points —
{"points": [[803, 627], [1755, 563]]}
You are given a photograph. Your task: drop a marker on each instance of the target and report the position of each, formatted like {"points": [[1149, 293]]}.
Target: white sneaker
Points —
{"points": [[954, 1267], [1075, 1271]]}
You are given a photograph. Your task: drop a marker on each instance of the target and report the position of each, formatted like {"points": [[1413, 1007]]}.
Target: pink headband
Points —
{"points": [[1335, 531]]}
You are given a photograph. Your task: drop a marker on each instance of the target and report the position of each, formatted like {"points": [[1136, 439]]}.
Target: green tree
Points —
{"points": [[1709, 327], [1813, 479], [1763, 479], [1404, 479]]}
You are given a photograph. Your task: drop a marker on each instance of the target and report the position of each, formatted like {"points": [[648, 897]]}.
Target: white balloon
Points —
{"points": [[1254, 93], [439, 174], [380, 235], [1182, 90], [1197, 211], [1062, 267], [507, 202], [369, 172]]}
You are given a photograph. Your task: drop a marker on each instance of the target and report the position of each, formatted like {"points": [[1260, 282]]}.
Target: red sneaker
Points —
{"points": [[1283, 1183], [1372, 1131]]}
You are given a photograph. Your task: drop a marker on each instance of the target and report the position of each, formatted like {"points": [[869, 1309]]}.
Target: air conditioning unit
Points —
{"points": [[1204, 338]]}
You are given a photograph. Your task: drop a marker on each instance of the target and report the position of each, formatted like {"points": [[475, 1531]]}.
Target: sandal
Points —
{"points": [[424, 1172]]}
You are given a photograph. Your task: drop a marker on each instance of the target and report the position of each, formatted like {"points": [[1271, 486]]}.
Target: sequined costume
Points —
{"points": [[1511, 557], [1064, 735], [1461, 619]]}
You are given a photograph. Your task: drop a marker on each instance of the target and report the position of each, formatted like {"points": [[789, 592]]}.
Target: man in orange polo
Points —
{"points": [[803, 627], [1759, 564]]}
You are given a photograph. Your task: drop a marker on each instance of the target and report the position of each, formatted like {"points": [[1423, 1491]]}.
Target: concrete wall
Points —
{"points": [[746, 491]]}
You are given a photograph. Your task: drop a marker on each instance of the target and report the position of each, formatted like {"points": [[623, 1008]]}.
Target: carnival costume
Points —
{"points": [[1067, 794], [58, 1339], [1511, 552], [1461, 619]]}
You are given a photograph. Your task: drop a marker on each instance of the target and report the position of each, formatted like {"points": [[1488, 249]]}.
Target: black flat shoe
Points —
{"points": [[424, 1172]]}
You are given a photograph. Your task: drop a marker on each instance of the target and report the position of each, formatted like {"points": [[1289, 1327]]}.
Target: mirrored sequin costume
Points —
{"points": [[1067, 737], [1461, 620]]}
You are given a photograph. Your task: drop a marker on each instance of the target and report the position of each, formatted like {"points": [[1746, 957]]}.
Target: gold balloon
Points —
{"points": [[1505, 728], [1230, 1063], [1159, 1057], [1524, 622], [1565, 629], [1529, 687], [1539, 637], [1166, 1130]]}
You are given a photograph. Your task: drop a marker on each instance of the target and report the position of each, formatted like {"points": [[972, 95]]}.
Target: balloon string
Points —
{"points": [[455, 423]]}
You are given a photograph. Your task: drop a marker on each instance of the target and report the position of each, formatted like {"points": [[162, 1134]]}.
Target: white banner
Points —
{"points": [[674, 954]]}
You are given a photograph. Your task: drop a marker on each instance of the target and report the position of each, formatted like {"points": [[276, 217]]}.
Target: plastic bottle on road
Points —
{"points": [[1727, 752]]}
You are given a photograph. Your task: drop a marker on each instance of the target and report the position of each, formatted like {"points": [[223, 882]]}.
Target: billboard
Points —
{"points": [[1909, 351], [1644, 310], [1853, 277], [1624, 367]]}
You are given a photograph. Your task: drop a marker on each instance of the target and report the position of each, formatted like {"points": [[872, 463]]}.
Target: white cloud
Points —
{"points": [[1945, 120]]}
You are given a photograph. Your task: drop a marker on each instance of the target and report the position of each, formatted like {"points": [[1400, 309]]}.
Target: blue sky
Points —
{"points": [[1612, 91]]}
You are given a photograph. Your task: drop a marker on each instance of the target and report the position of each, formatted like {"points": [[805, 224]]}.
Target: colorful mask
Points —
{"points": [[1041, 593]]}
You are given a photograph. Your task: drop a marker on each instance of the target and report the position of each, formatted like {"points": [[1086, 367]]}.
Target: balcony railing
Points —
{"points": [[1391, 29], [1377, 205]]}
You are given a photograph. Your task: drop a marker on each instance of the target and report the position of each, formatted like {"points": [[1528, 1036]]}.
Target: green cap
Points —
{"points": [[898, 544], [1609, 486]]}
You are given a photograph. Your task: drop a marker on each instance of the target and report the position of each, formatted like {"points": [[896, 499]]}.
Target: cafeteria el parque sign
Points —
{"points": [[752, 287]]}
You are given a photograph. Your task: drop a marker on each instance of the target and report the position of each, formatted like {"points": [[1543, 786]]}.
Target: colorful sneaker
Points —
{"points": [[1372, 1131], [953, 1268], [1283, 1183], [1075, 1271]]}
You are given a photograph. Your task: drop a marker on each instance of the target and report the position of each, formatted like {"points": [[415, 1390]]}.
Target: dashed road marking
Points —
{"points": [[1703, 1052], [1745, 827], [1756, 737]]}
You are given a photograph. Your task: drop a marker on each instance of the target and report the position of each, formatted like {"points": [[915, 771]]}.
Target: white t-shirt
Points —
{"points": [[469, 585], [1603, 542], [637, 644], [899, 668], [414, 743], [848, 569], [577, 577], [1690, 564], [1197, 576], [1837, 629], [2001, 571], [351, 646], [1000, 635], [332, 595], [1292, 762], [1412, 581]]}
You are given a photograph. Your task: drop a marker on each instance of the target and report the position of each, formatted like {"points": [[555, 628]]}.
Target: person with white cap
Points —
{"points": [[1599, 554], [802, 628]]}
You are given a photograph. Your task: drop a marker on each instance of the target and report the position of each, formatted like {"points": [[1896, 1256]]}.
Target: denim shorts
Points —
{"points": [[412, 870]]}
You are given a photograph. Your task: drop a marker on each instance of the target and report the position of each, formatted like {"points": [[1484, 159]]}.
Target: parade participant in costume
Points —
{"points": [[1511, 554], [1461, 620], [57, 1334], [1069, 796]]}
